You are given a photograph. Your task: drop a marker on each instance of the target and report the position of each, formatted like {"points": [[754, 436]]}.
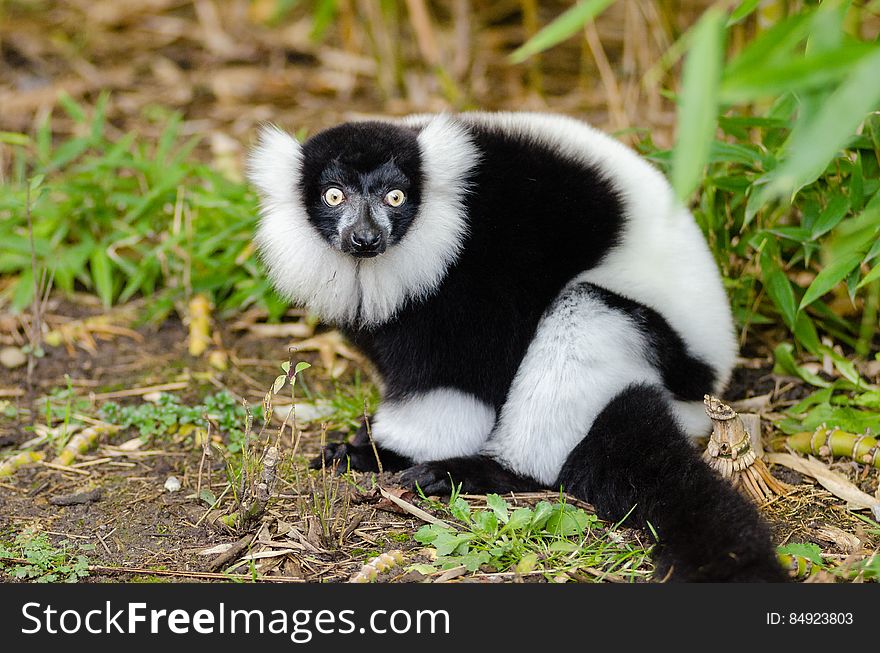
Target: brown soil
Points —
{"points": [[138, 524]]}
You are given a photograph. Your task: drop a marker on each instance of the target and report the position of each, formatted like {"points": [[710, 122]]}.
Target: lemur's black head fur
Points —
{"points": [[361, 185]]}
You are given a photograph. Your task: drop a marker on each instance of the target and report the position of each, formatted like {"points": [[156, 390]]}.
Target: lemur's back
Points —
{"points": [[662, 259]]}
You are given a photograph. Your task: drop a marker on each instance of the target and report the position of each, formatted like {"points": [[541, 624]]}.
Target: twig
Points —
{"points": [[101, 569], [413, 510], [232, 553], [65, 468], [370, 437], [136, 392]]}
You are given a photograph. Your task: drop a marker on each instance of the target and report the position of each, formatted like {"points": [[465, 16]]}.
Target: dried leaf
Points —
{"points": [[835, 483]]}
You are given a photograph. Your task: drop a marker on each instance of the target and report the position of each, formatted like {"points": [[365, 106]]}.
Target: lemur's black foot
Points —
{"points": [[476, 474], [359, 455]]}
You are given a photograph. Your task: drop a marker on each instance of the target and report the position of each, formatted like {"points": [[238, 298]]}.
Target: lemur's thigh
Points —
{"points": [[583, 354]]}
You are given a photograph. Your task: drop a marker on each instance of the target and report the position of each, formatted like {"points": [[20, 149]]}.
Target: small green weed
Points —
{"points": [[552, 537], [46, 563], [169, 414]]}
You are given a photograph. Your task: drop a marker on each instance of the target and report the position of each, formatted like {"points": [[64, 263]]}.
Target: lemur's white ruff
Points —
{"points": [[336, 286]]}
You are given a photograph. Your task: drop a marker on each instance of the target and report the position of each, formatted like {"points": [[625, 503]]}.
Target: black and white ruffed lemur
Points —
{"points": [[541, 310]]}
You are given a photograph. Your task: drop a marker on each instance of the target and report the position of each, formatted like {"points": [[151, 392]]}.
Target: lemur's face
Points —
{"points": [[361, 186]]}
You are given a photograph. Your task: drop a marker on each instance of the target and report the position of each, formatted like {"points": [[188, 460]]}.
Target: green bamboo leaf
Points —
{"points": [[744, 9], [831, 216], [564, 26], [826, 26], [102, 275], [795, 73], [830, 129], [872, 276], [805, 332], [697, 103], [786, 364], [846, 368], [829, 277], [777, 41], [779, 288]]}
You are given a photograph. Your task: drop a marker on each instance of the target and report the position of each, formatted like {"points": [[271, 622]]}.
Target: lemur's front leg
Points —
{"points": [[476, 474], [359, 455]]}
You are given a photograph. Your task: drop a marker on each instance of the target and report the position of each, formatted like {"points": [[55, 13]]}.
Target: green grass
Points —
{"points": [[551, 539], [128, 216]]}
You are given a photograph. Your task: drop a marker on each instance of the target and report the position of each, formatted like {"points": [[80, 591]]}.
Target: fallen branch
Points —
{"points": [[232, 553]]}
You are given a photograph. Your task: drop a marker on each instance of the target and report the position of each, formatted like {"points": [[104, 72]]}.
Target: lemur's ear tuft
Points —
{"points": [[274, 163]]}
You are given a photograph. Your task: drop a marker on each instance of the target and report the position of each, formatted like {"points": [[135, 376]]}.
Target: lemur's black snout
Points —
{"points": [[367, 242], [366, 239]]}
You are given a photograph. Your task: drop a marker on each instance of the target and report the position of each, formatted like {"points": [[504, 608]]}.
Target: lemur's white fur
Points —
{"points": [[336, 286], [441, 423], [300, 263]]}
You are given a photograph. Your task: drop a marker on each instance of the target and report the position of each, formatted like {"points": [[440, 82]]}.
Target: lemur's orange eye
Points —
{"points": [[334, 196], [395, 197]]}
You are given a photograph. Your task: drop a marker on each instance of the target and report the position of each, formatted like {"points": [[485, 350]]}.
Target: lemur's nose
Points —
{"points": [[366, 239]]}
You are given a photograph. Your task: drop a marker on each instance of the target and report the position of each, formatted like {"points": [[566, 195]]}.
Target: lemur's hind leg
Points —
{"points": [[636, 458]]}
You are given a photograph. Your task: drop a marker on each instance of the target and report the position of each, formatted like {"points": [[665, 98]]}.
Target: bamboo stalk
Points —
{"points": [[83, 442], [9, 466], [825, 441]]}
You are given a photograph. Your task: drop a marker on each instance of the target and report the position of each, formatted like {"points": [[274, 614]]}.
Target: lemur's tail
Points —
{"points": [[636, 454]]}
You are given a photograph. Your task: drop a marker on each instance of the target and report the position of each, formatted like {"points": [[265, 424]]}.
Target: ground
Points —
{"points": [[319, 527]]}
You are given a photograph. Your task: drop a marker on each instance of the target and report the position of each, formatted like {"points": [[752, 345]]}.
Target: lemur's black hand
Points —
{"points": [[358, 455], [343, 456]]}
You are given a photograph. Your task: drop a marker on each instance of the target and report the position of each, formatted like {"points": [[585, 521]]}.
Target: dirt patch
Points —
{"points": [[319, 527]]}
